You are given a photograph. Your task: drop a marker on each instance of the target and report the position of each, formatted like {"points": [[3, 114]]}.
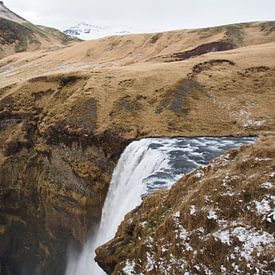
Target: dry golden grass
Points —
{"points": [[232, 95], [119, 51]]}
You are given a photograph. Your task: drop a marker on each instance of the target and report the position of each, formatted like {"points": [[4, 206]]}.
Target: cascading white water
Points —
{"points": [[144, 166], [135, 164]]}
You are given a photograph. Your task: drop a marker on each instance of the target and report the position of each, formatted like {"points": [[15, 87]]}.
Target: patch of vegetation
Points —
{"points": [[208, 32], [215, 46], [257, 69], [267, 27], [68, 80], [127, 104], [175, 100], [35, 29], [84, 114], [155, 38], [40, 79], [22, 45], [14, 33], [11, 32], [234, 34], [209, 64]]}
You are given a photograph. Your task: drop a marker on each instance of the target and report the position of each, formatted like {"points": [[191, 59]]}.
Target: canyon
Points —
{"points": [[68, 109]]}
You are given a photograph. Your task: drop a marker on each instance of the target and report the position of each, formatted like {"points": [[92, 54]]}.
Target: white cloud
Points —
{"points": [[143, 14]]}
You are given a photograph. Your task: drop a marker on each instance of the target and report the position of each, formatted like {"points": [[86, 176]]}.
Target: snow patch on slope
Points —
{"points": [[86, 31]]}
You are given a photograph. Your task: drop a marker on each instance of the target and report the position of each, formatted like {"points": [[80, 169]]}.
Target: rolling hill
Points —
{"points": [[19, 35]]}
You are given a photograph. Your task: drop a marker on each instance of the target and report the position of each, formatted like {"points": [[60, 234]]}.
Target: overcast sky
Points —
{"points": [[143, 14]]}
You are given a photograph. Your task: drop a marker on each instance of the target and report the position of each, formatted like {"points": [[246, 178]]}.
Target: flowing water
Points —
{"points": [[145, 166]]}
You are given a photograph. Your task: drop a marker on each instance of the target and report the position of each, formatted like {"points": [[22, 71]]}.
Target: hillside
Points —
{"points": [[217, 219], [19, 35], [66, 114], [153, 48], [223, 93]]}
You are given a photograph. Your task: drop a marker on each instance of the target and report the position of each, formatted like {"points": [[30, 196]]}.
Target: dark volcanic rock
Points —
{"points": [[53, 182], [216, 46]]}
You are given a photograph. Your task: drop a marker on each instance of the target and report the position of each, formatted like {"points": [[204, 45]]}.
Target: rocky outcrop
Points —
{"points": [[202, 49], [217, 219], [51, 194], [53, 181]]}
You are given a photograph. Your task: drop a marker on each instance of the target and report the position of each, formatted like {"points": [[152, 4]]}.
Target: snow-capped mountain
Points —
{"points": [[86, 31]]}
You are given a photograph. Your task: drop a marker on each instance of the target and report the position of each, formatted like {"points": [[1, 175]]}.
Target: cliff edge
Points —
{"points": [[217, 219]]}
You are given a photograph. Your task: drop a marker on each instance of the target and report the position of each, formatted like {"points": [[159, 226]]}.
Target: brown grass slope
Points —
{"points": [[156, 47], [19, 35], [225, 93], [217, 219]]}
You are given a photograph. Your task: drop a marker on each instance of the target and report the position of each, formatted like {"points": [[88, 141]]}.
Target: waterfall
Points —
{"points": [[144, 166]]}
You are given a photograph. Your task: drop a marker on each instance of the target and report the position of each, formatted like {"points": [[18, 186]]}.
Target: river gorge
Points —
{"points": [[145, 166]]}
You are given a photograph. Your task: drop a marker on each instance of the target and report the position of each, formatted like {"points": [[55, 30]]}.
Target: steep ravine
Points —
{"points": [[145, 166], [41, 217], [52, 190], [58, 199]]}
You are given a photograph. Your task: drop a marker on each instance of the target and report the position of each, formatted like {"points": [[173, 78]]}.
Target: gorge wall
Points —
{"points": [[53, 184]]}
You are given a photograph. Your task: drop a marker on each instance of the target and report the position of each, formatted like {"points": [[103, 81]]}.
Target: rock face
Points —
{"points": [[217, 219], [51, 193], [53, 182], [66, 114]]}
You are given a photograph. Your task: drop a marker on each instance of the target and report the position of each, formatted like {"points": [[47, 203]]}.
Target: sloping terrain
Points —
{"points": [[66, 114], [19, 35], [10, 15], [217, 219], [154, 48], [227, 93]]}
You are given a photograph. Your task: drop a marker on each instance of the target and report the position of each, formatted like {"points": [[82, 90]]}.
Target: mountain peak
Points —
{"points": [[87, 31]]}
